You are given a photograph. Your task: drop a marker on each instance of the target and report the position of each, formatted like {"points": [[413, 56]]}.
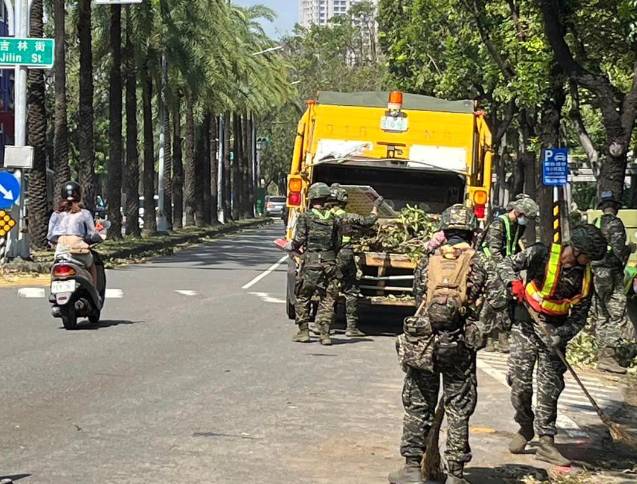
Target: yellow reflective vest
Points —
{"points": [[542, 299]]}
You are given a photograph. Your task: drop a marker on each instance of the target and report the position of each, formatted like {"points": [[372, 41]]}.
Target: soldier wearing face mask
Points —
{"points": [[502, 239]]}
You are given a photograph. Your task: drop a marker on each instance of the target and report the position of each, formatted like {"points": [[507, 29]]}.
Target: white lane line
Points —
{"points": [[265, 274], [265, 297], [31, 292], [114, 294], [186, 292]]}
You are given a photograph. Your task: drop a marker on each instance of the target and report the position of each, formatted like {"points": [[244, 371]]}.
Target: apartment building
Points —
{"points": [[320, 12]]}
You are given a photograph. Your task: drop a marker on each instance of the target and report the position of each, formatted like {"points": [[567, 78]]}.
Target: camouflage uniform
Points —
{"points": [[609, 301], [350, 225], [421, 387], [528, 342], [317, 233]]}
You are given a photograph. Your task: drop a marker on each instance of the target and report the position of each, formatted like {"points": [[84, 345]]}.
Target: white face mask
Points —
{"points": [[522, 220]]}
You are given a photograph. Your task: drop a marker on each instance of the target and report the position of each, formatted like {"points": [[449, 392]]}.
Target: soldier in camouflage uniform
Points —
{"points": [[502, 239], [428, 351], [557, 292], [350, 225], [317, 235], [609, 300]]}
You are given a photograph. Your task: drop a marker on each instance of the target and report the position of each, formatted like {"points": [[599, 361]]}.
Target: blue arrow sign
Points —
{"points": [[9, 190], [555, 167]]}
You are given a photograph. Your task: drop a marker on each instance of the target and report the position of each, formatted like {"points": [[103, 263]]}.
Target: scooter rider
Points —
{"points": [[72, 229]]}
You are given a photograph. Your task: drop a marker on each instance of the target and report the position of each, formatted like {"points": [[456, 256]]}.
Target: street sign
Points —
{"points": [[18, 157], [6, 223], [9, 190], [35, 52], [555, 167]]}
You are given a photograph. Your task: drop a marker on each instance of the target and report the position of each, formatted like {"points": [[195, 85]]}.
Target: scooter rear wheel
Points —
{"points": [[94, 317], [69, 317]]}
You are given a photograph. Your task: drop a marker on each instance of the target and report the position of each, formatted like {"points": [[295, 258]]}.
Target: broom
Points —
{"points": [[431, 465], [617, 431]]}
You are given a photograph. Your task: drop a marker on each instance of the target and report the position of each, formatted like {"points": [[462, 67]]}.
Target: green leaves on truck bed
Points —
{"points": [[406, 234]]}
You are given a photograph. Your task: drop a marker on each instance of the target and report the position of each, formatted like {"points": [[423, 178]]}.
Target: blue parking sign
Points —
{"points": [[555, 167]]}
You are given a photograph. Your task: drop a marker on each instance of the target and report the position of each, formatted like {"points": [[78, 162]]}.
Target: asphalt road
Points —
{"points": [[192, 377]]}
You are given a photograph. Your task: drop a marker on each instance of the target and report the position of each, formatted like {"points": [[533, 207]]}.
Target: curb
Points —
{"points": [[140, 247]]}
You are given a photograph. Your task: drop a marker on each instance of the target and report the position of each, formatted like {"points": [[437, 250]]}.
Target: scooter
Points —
{"points": [[73, 294]]}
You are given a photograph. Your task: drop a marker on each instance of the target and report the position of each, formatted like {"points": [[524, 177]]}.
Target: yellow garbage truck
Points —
{"points": [[409, 149]]}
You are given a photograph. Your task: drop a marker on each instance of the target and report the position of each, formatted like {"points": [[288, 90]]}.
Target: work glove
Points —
{"points": [[517, 290], [436, 241]]}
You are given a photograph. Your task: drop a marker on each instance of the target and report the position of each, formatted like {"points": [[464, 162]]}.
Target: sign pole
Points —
{"points": [[18, 242]]}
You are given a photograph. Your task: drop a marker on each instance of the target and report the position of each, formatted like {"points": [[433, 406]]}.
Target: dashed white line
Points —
{"points": [[266, 273], [186, 292], [265, 297], [31, 292], [114, 294]]}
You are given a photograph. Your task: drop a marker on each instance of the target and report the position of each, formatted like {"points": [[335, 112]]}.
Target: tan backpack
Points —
{"points": [[447, 288]]}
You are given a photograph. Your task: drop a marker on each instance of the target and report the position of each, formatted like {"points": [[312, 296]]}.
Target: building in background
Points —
{"points": [[7, 118], [320, 12]]}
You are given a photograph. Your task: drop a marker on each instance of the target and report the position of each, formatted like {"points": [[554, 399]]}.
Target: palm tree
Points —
{"points": [[190, 171], [60, 135], [114, 180], [38, 200], [86, 141], [178, 168], [131, 186]]}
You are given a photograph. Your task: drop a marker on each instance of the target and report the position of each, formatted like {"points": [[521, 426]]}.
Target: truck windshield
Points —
{"points": [[429, 189]]}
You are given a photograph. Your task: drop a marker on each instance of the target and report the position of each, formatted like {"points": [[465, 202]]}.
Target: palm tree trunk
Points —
{"points": [[150, 218], [214, 168], [206, 164], [114, 180], [168, 173], [86, 142], [200, 217], [60, 134], [132, 155], [225, 168], [236, 169], [178, 169], [190, 172], [36, 120]]}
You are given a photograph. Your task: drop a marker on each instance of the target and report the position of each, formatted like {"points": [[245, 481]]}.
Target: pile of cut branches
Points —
{"points": [[406, 234]]}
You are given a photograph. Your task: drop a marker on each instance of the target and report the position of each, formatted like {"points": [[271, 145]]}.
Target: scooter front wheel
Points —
{"points": [[69, 317]]}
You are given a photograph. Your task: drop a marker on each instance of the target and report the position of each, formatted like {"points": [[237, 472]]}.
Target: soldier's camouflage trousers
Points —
{"points": [[608, 311], [315, 281], [346, 268], [527, 350], [420, 395]]}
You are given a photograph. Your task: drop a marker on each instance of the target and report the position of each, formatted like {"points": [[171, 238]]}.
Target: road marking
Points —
{"points": [[186, 292], [31, 292], [265, 274], [114, 294], [265, 297]]}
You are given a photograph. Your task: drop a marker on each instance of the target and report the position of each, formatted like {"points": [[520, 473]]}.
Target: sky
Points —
{"points": [[286, 10]]}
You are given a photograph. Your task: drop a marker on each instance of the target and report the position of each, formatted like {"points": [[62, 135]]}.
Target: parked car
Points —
{"points": [[274, 206]]}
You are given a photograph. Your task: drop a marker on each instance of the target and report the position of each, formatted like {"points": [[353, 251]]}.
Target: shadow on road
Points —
{"points": [[505, 474], [88, 326]]}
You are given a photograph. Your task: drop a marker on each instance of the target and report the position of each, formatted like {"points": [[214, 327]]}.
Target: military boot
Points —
{"points": [[519, 440], [408, 474], [324, 337], [455, 473], [352, 331], [607, 362], [503, 342], [547, 452], [303, 335]]}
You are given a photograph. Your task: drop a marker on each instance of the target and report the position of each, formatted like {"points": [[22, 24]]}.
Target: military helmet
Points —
{"points": [[608, 197], [590, 241], [524, 204], [318, 190], [338, 193], [458, 217]]}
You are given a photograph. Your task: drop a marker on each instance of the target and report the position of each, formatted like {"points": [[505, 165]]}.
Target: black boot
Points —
{"points": [[456, 473], [608, 362], [547, 452], [519, 440], [410, 473]]}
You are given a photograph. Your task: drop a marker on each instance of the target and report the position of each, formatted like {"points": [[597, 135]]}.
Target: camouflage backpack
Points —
{"points": [[447, 288]]}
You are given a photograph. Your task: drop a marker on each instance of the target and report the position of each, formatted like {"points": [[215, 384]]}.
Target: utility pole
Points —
{"points": [[18, 242]]}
